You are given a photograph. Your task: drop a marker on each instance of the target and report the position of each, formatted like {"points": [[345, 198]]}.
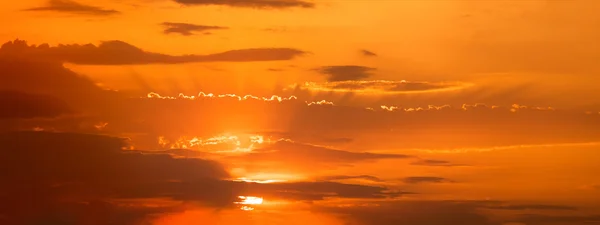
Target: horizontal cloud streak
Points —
{"points": [[345, 73], [251, 3], [121, 53], [68, 6], [378, 87], [187, 29]]}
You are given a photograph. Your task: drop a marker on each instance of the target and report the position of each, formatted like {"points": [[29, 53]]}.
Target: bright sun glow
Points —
{"points": [[248, 201]]}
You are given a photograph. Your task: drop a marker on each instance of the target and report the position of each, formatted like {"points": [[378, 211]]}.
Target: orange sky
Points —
{"points": [[332, 112]]}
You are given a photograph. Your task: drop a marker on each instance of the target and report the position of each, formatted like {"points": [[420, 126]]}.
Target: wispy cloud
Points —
{"points": [[68, 6], [345, 73], [260, 4], [187, 29]]}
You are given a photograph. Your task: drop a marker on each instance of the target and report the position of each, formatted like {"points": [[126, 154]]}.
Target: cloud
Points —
{"points": [[38, 76], [411, 212], [21, 105], [368, 53], [418, 180], [293, 152], [261, 4], [63, 171], [121, 53], [432, 162], [378, 87], [532, 207], [540, 219], [60, 166], [346, 177], [187, 29], [68, 6], [345, 73]]}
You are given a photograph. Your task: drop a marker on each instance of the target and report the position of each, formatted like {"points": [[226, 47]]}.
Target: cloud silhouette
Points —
{"points": [[368, 53], [187, 29], [38, 76], [121, 53], [345, 73], [261, 4], [40, 170], [68, 6], [65, 170]]}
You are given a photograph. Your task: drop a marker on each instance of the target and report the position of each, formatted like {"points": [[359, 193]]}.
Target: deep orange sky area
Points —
{"points": [[324, 112]]}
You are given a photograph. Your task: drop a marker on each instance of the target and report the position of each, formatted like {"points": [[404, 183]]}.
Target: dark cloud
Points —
{"points": [[540, 219], [121, 53], [187, 29], [418, 180], [531, 207], [346, 177], [47, 176], [345, 73], [448, 212], [38, 76], [221, 193], [63, 157], [68, 6], [293, 152], [40, 171], [411, 212], [365, 52], [276, 4], [21, 105]]}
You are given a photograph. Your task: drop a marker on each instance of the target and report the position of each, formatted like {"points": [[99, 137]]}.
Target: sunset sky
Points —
{"points": [[321, 112]]}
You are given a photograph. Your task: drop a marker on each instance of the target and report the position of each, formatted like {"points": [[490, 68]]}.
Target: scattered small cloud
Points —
{"points": [[68, 6], [187, 29], [346, 73]]}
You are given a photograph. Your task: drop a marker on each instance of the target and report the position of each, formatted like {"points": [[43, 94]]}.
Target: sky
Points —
{"points": [[328, 112]]}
